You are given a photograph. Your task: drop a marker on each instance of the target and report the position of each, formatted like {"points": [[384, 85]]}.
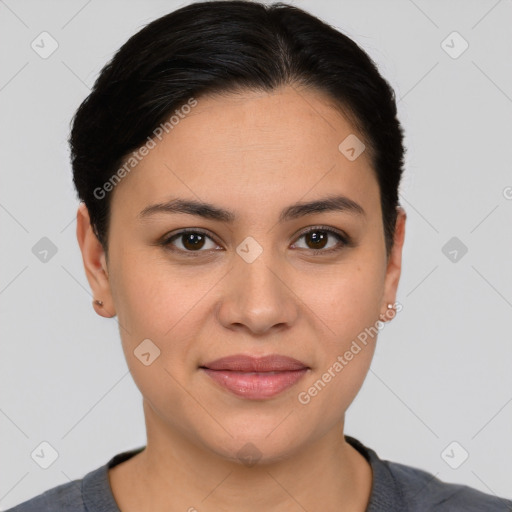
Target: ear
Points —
{"points": [[394, 266], [95, 263]]}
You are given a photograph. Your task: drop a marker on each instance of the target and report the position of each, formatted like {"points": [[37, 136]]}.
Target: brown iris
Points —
{"points": [[193, 241], [318, 239]]}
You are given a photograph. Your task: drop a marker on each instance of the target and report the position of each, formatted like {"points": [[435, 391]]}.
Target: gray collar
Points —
{"points": [[386, 493]]}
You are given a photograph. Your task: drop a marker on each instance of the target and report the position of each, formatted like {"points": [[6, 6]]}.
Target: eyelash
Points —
{"points": [[343, 238]]}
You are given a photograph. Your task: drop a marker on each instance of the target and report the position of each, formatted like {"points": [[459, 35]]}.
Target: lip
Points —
{"points": [[245, 363], [255, 378]]}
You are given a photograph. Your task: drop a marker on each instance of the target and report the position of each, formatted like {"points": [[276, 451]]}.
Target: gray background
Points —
{"points": [[441, 372]]}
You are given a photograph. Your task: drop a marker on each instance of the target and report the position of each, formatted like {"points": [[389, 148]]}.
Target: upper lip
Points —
{"points": [[245, 363]]}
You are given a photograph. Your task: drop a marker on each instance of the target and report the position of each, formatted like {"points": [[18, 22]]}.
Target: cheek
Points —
{"points": [[152, 304], [152, 295], [325, 398], [344, 355], [346, 300], [347, 307], [158, 301]]}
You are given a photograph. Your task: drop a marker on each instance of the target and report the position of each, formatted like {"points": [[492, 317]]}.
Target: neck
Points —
{"points": [[174, 473]]}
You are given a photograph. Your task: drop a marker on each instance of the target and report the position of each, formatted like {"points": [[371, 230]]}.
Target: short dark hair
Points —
{"points": [[228, 46]]}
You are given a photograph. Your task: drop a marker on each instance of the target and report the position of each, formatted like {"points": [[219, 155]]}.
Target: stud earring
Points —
{"points": [[98, 302], [384, 316]]}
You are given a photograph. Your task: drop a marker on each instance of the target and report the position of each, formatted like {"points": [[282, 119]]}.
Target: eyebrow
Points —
{"points": [[337, 203]]}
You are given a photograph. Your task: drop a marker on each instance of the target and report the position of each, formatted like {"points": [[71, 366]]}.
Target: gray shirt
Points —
{"points": [[396, 488]]}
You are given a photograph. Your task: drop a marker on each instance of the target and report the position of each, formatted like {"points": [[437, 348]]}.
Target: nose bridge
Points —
{"points": [[261, 277], [257, 294], [258, 267]]}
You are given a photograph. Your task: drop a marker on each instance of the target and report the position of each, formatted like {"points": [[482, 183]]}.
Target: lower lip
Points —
{"points": [[256, 386]]}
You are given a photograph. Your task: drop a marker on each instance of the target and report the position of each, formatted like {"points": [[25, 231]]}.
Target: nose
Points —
{"points": [[258, 297]]}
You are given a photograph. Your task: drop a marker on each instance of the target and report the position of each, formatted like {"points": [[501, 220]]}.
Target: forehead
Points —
{"points": [[254, 148]]}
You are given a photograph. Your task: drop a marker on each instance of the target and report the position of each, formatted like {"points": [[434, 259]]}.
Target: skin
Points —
{"points": [[253, 153]]}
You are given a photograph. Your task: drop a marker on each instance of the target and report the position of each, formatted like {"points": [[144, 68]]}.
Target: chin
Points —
{"points": [[262, 442], [250, 452]]}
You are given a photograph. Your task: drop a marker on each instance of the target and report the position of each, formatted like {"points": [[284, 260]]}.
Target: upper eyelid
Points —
{"points": [[335, 231], [339, 233]]}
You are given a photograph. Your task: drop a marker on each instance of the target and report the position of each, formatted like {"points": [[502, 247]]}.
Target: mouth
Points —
{"points": [[255, 378]]}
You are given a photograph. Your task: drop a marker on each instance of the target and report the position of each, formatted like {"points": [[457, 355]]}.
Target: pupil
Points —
{"points": [[193, 240]]}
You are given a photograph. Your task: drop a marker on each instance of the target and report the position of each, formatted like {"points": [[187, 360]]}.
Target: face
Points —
{"points": [[260, 278]]}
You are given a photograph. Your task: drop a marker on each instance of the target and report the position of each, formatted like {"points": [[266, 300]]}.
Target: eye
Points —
{"points": [[190, 240], [317, 239]]}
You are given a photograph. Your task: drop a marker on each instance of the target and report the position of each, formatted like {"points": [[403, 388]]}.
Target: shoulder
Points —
{"points": [[397, 487], [62, 498], [424, 491], [92, 493]]}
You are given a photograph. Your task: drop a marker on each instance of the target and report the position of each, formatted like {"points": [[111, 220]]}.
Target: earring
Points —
{"points": [[98, 302], [390, 306]]}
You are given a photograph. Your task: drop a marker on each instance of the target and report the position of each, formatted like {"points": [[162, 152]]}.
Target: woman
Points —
{"points": [[239, 167]]}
